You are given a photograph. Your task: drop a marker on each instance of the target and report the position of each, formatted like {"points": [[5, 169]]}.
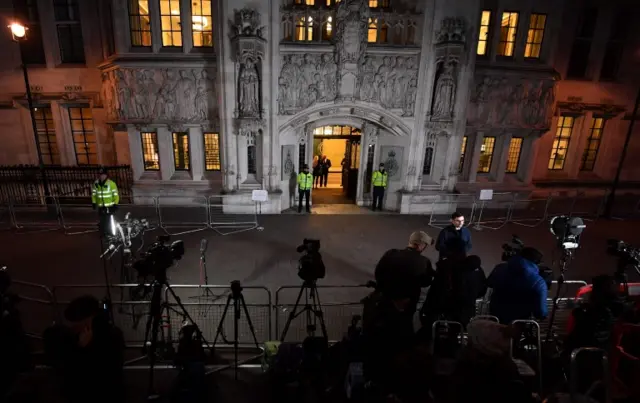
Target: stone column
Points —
{"points": [[186, 25], [527, 157], [521, 37], [447, 161], [156, 28], [578, 141], [196, 145], [475, 156], [165, 153], [121, 144], [503, 157], [135, 145]]}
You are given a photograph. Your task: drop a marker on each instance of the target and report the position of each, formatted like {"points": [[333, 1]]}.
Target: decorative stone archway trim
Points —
{"points": [[380, 117]]}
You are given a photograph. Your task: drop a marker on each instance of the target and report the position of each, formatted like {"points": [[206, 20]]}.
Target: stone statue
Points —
{"points": [[387, 80], [247, 23], [410, 98], [185, 92], [352, 17], [124, 94], [328, 72], [444, 93], [205, 94], [249, 90], [165, 104], [140, 96], [109, 96]]}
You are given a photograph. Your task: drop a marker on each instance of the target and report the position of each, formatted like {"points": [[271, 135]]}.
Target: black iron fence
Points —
{"points": [[24, 184]]}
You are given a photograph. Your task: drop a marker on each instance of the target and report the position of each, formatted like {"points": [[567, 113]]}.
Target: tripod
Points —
{"points": [[204, 277], [310, 290], [238, 304], [564, 262], [153, 326]]}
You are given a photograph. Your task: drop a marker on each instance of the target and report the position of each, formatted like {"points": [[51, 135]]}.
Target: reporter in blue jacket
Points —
{"points": [[519, 292], [456, 230]]}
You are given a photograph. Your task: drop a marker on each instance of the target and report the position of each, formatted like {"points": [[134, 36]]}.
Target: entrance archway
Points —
{"points": [[335, 163]]}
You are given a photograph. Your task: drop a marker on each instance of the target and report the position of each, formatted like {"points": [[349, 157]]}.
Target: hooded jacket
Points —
{"points": [[518, 291]]}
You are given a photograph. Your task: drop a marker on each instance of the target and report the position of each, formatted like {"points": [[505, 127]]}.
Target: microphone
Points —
{"points": [[203, 245]]}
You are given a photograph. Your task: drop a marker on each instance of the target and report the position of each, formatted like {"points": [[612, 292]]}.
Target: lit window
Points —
{"points": [[593, 145], [140, 22], [202, 23], [372, 36], [483, 35], [170, 21], [508, 29], [47, 135], [304, 29], [513, 157], [428, 159], [212, 151], [378, 3], [336, 131], [181, 151], [33, 48], [84, 138], [463, 150], [305, 2], [327, 29], [69, 31], [486, 154], [535, 36], [561, 143], [150, 151]]}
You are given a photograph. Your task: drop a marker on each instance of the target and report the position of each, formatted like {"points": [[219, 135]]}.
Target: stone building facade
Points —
{"points": [[452, 95]]}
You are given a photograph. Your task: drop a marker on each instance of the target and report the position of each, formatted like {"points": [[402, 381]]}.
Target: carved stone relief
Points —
{"points": [[501, 102], [444, 93], [161, 95], [390, 81], [352, 18], [249, 89], [452, 29], [305, 80]]}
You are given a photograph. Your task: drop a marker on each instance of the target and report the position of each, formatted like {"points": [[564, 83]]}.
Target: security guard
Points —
{"points": [[305, 183], [379, 185], [104, 197]]}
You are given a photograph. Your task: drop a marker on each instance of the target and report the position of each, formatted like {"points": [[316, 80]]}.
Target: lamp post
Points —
{"points": [[19, 34], [616, 181]]}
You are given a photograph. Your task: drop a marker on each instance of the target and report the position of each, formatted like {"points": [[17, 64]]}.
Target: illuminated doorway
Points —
{"points": [[341, 146]]}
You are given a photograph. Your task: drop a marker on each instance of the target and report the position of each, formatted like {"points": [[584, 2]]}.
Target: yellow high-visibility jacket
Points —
{"points": [[105, 195]]}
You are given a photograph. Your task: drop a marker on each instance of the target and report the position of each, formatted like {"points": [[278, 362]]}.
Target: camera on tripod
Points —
{"points": [[567, 231], [515, 248], [122, 234], [310, 265], [628, 255], [159, 257]]}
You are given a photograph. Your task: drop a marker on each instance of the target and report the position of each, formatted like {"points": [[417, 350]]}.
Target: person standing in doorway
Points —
{"points": [[379, 181], [448, 235], [325, 165], [104, 198], [344, 169], [305, 183], [316, 171]]}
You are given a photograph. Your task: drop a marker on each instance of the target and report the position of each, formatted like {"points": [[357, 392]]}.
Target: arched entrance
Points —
{"points": [[335, 155]]}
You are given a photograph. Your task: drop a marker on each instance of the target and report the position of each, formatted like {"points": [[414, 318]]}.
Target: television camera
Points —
{"points": [[310, 265], [628, 255], [515, 247], [122, 234], [158, 257]]}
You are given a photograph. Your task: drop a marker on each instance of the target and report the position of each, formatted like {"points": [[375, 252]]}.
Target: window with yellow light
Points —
{"points": [[170, 23], [201, 24]]}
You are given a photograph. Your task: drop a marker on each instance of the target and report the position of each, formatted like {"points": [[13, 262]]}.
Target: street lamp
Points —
{"points": [[19, 34]]}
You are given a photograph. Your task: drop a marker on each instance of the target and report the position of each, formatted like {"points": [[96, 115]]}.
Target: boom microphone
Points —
{"points": [[203, 245]]}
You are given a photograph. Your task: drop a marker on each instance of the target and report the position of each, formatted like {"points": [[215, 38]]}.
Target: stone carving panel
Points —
{"points": [[249, 89], [352, 18], [452, 29], [390, 81], [503, 102], [160, 95], [305, 80], [444, 93]]}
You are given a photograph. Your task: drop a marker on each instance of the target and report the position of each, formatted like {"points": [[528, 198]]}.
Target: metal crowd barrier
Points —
{"points": [[183, 215], [494, 213], [30, 218], [444, 205], [230, 218], [529, 212], [36, 306]]}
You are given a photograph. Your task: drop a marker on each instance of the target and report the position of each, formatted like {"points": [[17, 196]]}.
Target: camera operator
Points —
{"points": [[403, 272], [452, 232], [519, 291], [88, 353], [458, 282]]}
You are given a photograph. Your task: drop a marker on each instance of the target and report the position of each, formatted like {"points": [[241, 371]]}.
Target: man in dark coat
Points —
{"points": [[456, 230]]}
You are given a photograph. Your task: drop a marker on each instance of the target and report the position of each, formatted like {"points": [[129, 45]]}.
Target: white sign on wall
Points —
{"points": [[261, 196], [486, 194]]}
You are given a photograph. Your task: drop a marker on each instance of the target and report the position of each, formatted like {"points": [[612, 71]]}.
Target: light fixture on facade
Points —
{"points": [[199, 23], [18, 31]]}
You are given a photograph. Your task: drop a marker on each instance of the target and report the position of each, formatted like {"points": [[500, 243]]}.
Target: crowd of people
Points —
{"points": [[485, 370]]}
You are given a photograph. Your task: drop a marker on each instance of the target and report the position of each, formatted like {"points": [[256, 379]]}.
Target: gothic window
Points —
{"points": [[304, 29], [252, 161], [150, 151], [181, 157], [211, 151], [561, 143], [593, 145], [372, 36], [535, 35], [287, 28], [513, 155], [170, 23], [336, 131], [615, 46], [139, 23], [579, 57], [486, 154], [32, 48], [302, 156], [46, 135], [411, 32], [379, 3], [483, 35], [202, 23], [428, 161], [327, 29], [84, 138], [398, 33], [508, 30], [67, 16], [463, 150]]}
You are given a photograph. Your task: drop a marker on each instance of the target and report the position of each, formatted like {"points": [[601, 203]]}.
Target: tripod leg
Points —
{"points": [[221, 323], [236, 320], [186, 315], [251, 328], [153, 325], [292, 315], [317, 310]]}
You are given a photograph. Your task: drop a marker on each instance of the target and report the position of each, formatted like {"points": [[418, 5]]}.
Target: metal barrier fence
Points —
{"points": [[38, 300], [174, 215]]}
